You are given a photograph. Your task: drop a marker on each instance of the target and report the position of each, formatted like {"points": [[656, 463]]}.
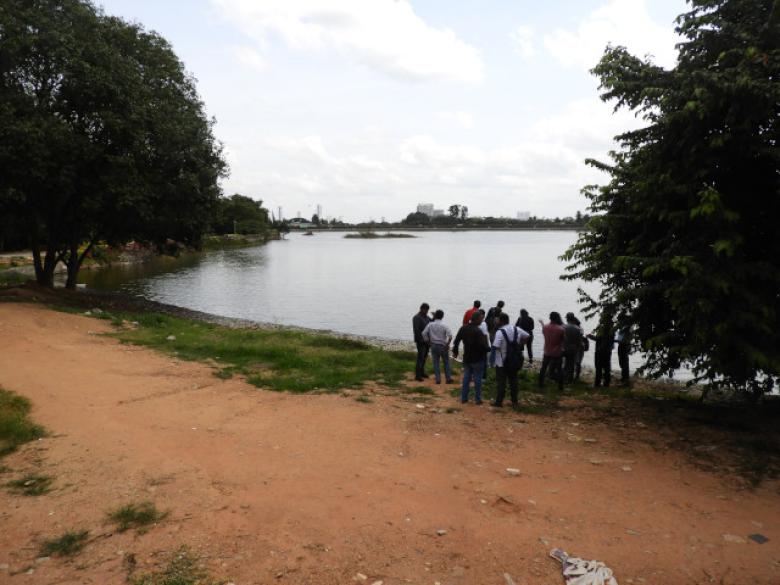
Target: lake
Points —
{"points": [[367, 287]]}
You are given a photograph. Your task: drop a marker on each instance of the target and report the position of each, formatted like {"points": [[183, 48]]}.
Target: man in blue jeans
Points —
{"points": [[438, 337], [475, 348]]}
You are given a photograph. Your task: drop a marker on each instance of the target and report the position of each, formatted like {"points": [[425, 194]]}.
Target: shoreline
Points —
{"points": [[86, 298], [369, 469]]}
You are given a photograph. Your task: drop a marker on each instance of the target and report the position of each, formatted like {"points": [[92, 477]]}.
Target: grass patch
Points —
{"points": [[15, 426], [292, 361], [31, 485], [419, 390], [66, 545], [183, 569], [136, 516], [9, 278]]}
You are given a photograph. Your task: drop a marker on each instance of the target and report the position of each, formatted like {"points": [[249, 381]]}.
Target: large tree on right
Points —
{"points": [[686, 241]]}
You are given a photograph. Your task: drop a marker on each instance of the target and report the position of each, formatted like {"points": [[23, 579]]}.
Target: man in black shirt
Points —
{"points": [[419, 321], [475, 346], [572, 343], [492, 319], [526, 323]]}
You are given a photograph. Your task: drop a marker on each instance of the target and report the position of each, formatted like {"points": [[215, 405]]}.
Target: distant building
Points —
{"points": [[523, 215], [300, 222], [427, 209]]}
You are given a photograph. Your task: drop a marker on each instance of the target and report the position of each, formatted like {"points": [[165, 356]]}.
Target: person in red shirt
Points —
{"points": [[553, 349], [467, 315]]}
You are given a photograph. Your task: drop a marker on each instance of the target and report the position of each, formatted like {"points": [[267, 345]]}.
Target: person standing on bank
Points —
{"points": [[467, 315], [526, 323], [604, 339], [492, 319], [438, 337], [419, 323], [623, 340], [572, 345], [553, 349], [507, 355], [475, 346], [484, 328]]}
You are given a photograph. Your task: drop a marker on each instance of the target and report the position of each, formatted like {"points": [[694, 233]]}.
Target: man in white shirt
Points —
{"points": [[438, 336], [507, 355], [484, 328]]}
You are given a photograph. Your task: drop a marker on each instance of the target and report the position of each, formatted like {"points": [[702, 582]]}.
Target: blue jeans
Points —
{"points": [[473, 370], [441, 352]]}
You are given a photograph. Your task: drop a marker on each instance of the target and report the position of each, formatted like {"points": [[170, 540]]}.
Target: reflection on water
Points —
{"points": [[367, 287]]}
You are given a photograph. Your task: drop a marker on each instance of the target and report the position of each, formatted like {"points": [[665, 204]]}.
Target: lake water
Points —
{"points": [[365, 287]]}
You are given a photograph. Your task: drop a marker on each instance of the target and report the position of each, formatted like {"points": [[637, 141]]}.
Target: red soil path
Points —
{"points": [[277, 488]]}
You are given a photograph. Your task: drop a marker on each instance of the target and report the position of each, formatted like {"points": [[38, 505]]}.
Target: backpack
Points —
{"points": [[514, 353]]}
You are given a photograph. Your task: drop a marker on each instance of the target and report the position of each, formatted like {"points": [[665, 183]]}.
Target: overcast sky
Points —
{"points": [[368, 107]]}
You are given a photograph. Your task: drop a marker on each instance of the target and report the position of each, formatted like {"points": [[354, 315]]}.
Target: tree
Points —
{"points": [[240, 214], [102, 133], [417, 218], [684, 243], [454, 211], [464, 212]]}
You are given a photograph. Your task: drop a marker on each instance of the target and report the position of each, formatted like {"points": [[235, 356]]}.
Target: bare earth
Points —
{"points": [[277, 488]]}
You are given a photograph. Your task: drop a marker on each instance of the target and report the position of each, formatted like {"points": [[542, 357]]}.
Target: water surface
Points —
{"points": [[364, 286]]}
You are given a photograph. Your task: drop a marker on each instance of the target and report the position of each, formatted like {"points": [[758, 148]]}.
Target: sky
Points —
{"points": [[369, 107]]}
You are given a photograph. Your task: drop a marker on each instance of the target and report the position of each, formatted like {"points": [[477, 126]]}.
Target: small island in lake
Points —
{"points": [[373, 235]]}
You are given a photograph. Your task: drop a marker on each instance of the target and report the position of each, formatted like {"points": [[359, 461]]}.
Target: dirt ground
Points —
{"points": [[321, 489]]}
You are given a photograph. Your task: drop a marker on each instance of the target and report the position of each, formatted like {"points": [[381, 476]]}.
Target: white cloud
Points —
{"points": [[523, 41], [375, 172], [250, 57], [462, 119], [384, 35], [619, 22]]}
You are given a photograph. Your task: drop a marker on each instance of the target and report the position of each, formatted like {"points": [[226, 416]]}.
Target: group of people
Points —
{"points": [[491, 341]]}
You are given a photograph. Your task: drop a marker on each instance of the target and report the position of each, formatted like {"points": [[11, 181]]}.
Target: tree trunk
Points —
{"points": [[36, 251], [44, 268], [73, 265]]}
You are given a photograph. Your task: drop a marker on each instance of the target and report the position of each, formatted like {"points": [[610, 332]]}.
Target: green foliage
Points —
{"points": [[102, 134], [66, 545], [31, 485], [15, 426], [417, 218], [684, 243], [183, 569], [136, 516], [292, 361], [241, 215]]}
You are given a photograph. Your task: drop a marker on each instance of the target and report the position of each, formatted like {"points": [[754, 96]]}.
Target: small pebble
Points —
{"points": [[734, 538], [441, 532]]}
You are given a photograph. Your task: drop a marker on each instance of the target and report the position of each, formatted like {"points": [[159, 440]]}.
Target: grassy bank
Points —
{"points": [[275, 359], [237, 240], [16, 428]]}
